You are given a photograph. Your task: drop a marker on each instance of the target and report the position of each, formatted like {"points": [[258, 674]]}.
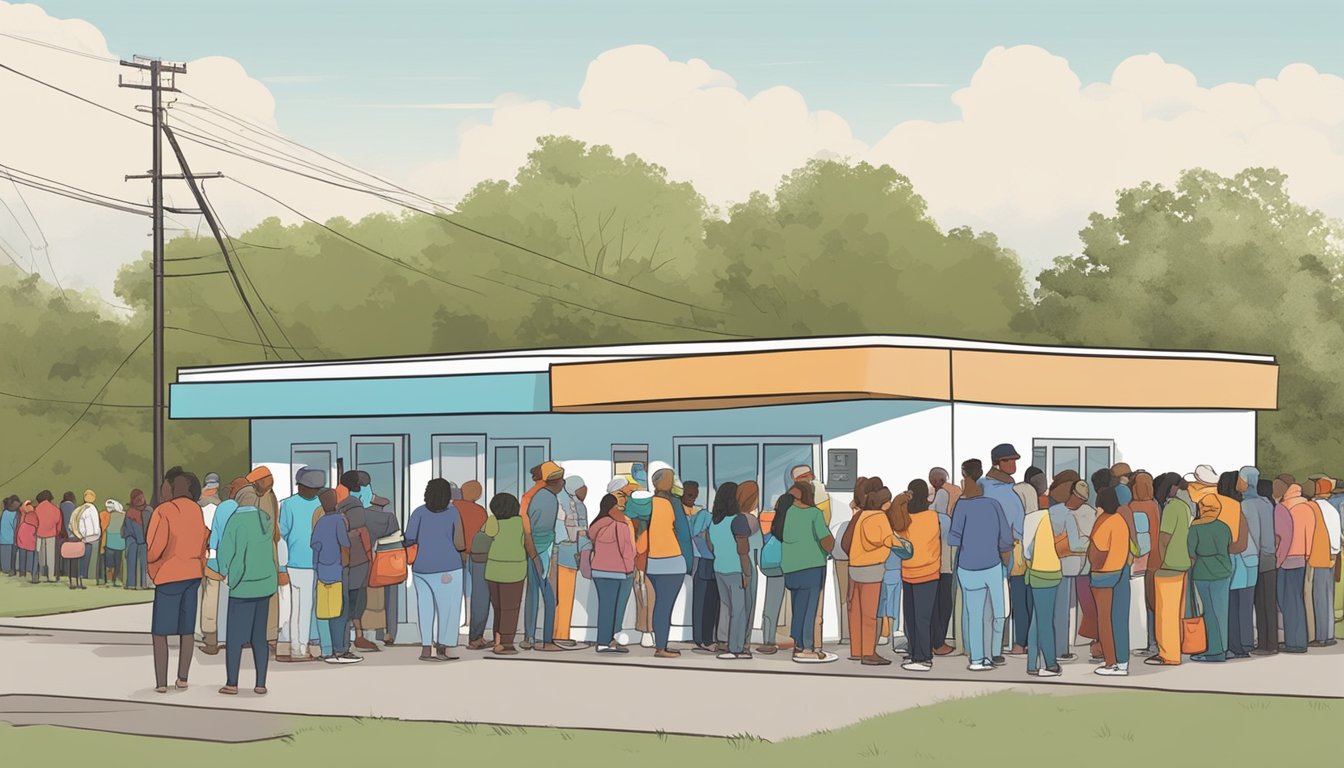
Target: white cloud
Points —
{"points": [[685, 116], [293, 79], [54, 135], [1033, 150]]}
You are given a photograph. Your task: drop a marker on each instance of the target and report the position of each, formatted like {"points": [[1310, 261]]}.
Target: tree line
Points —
{"points": [[587, 247]]}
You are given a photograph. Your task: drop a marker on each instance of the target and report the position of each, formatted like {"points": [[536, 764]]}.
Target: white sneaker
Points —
{"points": [[1116, 671], [978, 666], [884, 640], [1047, 672], [727, 657], [916, 666], [646, 641]]}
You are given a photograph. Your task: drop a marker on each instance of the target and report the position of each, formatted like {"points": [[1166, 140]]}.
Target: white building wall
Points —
{"points": [[1159, 441], [896, 439]]}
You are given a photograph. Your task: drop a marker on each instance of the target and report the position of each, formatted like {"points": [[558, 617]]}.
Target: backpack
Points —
{"points": [[1142, 534], [772, 552]]}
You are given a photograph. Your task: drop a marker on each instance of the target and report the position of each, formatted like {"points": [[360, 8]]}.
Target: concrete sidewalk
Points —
{"points": [[106, 660]]}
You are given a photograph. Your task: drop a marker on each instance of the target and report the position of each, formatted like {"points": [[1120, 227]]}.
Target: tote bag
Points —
{"points": [[72, 550], [329, 600], [389, 567], [1194, 638]]}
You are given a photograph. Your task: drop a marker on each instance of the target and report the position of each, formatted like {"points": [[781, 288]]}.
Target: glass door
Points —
{"points": [[459, 458], [384, 458], [316, 455], [511, 463]]}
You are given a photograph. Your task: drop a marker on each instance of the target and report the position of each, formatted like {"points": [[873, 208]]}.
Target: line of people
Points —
{"points": [[43, 541]]}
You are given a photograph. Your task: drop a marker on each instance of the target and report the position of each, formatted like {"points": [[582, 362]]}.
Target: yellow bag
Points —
{"points": [[329, 600], [1019, 566]]}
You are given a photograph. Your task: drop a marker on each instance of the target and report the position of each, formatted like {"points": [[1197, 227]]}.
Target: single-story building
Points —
{"points": [[893, 406]]}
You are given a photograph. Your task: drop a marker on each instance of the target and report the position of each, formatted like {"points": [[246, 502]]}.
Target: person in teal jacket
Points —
{"points": [[246, 558]]}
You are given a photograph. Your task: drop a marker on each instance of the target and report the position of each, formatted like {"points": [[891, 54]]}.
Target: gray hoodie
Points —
{"points": [[1259, 513]]}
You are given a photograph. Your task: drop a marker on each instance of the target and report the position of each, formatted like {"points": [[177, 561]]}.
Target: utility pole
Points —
{"points": [[156, 86]]}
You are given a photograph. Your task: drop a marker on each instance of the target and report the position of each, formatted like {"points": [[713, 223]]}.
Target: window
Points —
{"points": [[1038, 457], [1081, 456], [316, 455], [507, 473], [712, 461], [459, 458], [780, 459], [512, 462], [625, 457]]}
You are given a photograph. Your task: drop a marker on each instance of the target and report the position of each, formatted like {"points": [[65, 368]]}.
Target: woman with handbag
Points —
{"points": [[1210, 550], [611, 566], [435, 530], [86, 528], [510, 551]]}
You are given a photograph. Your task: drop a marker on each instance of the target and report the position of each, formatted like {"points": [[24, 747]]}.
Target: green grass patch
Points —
{"points": [[1102, 729], [20, 597]]}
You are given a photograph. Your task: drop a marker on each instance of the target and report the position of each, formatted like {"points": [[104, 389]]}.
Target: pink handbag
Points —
{"points": [[72, 550]]}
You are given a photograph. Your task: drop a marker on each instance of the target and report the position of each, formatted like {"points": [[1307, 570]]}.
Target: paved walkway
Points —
{"points": [[578, 689]]}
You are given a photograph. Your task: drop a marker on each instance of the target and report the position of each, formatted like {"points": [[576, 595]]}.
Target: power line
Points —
{"points": [[203, 204], [72, 95], [201, 274], [88, 407], [216, 336], [243, 269], [225, 145], [73, 193], [55, 47], [374, 251], [10, 170], [69, 402]]}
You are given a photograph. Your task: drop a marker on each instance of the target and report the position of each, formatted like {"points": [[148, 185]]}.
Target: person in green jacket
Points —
{"points": [[506, 567], [1210, 546], [246, 557]]}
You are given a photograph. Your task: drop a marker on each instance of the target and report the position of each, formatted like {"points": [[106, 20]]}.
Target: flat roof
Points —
{"points": [[541, 360], [735, 374]]}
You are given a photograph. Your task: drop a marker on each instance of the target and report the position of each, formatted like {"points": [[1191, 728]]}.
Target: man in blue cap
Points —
{"points": [[998, 484]]}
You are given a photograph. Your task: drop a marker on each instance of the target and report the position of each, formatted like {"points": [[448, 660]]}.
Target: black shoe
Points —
{"points": [[1263, 652], [999, 661], [1068, 657], [1290, 649]]}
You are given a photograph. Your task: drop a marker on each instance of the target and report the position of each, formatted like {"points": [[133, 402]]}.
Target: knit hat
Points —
{"points": [[573, 483], [211, 481], [311, 477], [260, 473], [1324, 486], [617, 484]]}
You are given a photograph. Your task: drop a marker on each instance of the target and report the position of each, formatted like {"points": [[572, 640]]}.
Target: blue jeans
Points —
{"points": [[983, 591], [538, 584], [1293, 604], [434, 597], [666, 588], [1213, 596], [334, 633], [247, 624], [1041, 633], [1017, 598], [805, 593], [612, 597], [137, 564]]}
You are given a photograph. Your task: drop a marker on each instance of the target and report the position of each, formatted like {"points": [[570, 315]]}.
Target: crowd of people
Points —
{"points": [[43, 541], [1204, 565]]}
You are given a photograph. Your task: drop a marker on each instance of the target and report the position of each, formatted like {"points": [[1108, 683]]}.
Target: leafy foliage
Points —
{"points": [[606, 249]]}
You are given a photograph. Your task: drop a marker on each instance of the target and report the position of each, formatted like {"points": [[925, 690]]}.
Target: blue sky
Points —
{"points": [[326, 60]]}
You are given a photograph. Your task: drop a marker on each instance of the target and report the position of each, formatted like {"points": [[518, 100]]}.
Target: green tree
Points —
{"points": [[1216, 263], [851, 249]]}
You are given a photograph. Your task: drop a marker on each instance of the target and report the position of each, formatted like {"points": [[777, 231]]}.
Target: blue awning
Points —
{"points": [[401, 396]]}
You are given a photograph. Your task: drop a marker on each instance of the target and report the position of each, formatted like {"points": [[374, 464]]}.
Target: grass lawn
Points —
{"points": [[1105, 729], [20, 597]]}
